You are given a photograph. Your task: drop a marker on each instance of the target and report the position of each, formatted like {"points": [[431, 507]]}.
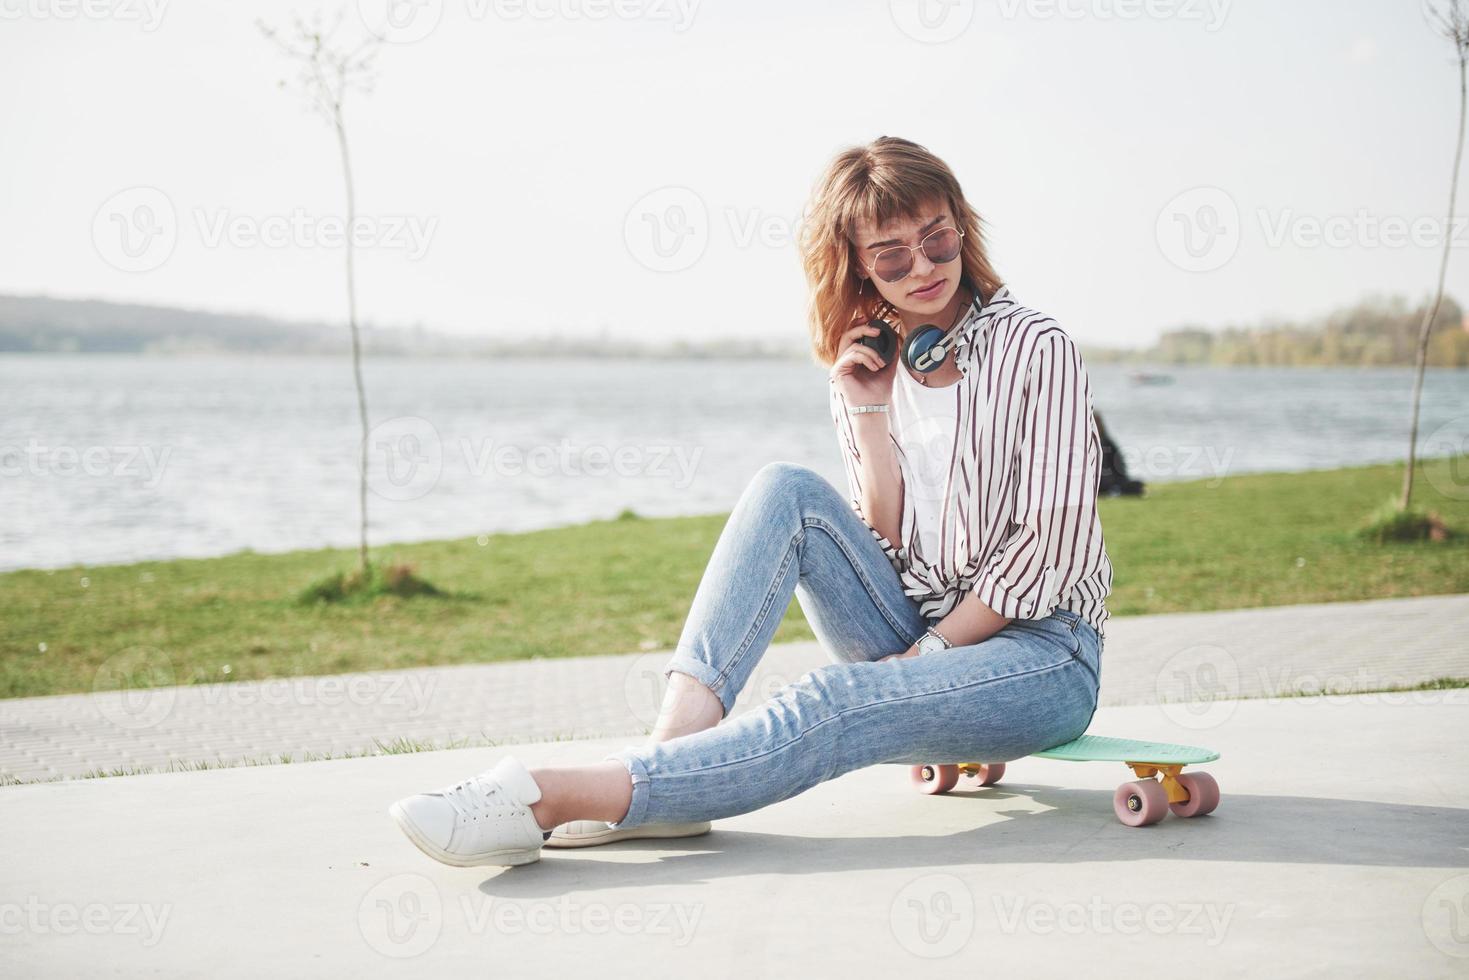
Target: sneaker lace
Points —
{"points": [[474, 795]]}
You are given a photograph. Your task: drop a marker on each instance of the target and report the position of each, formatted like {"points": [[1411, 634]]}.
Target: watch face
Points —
{"points": [[929, 644]]}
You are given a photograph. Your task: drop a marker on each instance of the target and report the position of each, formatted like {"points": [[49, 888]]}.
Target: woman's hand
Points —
{"points": [[910, 652], [859, 373]]}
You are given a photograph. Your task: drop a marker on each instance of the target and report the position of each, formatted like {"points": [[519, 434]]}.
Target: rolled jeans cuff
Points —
{"points": [[637, 810], [704, 674]]}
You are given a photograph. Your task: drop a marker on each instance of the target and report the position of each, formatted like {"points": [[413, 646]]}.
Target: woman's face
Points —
{"points": [[928, 290]]}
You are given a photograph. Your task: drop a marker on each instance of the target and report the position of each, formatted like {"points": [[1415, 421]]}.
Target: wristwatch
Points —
{"points": [[932, 641]]}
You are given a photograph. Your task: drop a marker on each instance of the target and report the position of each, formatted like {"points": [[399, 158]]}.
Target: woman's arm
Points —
{"points": [[859, 377], [969, 622], [881, 480]]}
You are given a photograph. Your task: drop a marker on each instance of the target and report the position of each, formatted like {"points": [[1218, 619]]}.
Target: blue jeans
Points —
{"points": [[1030, 686]]}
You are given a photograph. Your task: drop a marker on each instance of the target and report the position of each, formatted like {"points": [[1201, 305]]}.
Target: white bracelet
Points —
{"points": [[864, 409]]}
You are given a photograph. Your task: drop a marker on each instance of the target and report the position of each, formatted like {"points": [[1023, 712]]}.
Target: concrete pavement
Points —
{"points": [[1341, 847], [1187, 658]]}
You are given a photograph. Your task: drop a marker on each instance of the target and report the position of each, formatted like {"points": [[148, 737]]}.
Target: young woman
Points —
{"points": [[959, 586]]}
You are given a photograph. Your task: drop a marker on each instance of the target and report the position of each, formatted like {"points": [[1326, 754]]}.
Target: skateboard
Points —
{"points": [[1161, 784]]}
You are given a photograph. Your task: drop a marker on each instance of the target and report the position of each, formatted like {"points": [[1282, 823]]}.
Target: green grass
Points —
{"points": [[624, 585]]}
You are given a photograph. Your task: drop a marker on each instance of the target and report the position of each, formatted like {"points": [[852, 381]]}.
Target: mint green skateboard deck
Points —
{"points": [[1099, 748], [1161, 786]]}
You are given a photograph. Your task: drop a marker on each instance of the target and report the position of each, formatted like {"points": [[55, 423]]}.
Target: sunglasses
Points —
{"points": [[940, 245]]}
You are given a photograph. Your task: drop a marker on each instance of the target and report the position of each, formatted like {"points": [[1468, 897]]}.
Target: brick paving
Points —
{"points": [[1185, 659]]}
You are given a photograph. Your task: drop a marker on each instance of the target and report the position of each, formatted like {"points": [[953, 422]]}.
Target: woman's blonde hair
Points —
{"points": [[888, 179]]}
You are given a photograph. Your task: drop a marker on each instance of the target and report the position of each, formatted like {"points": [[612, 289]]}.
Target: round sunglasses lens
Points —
{"points": [[893, 264], [942, 246]]}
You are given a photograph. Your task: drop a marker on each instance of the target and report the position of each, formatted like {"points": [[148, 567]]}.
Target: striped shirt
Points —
{"points": [[1010, 511]]}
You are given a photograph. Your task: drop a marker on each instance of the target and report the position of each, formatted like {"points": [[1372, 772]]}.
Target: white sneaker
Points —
{"points": [[485, 819], [589, 833]]}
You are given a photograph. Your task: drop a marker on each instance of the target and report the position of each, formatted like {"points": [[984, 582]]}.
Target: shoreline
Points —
{"points": [[627, 514]]}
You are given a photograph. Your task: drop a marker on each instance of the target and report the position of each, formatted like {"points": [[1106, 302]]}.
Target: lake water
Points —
{"points": [[114, 459]]}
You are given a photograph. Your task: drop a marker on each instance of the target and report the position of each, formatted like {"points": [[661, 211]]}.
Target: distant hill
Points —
{"points": [[41, 324], [1377, 331]]}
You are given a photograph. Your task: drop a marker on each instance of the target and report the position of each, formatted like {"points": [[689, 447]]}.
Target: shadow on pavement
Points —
{"points": [[1079, 828]]}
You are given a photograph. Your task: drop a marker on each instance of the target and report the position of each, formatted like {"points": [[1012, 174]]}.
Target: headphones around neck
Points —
{"points": [[925, 349]]}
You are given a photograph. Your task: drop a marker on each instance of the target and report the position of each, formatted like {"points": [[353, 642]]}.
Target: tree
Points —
{"points": [[1452, 23], [328, 70]]}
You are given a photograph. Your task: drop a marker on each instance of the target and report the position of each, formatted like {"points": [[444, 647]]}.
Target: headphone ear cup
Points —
{"points": [[917, 348], [885, 343]]}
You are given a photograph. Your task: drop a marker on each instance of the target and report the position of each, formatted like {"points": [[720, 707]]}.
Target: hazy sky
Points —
{"points": [[642, 165]]}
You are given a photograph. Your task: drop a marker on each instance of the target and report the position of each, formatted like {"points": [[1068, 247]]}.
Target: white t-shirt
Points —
{"points": [[924, 423]]}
